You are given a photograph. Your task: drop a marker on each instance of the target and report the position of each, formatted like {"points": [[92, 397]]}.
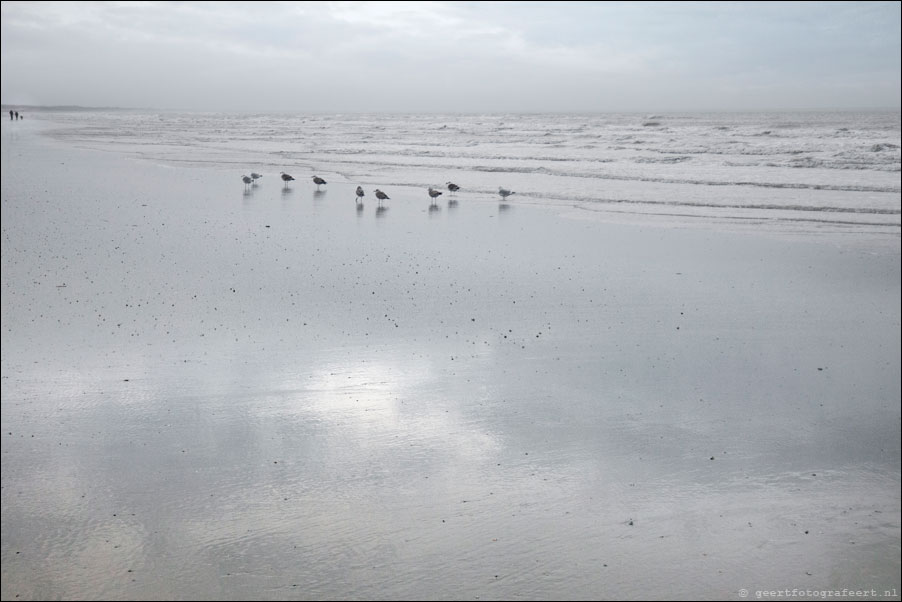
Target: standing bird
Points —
{"points": [[247, 181], [286, 178], [381, 196], [360, 194], [434, 194], [504, 192], [256, 176], [453, 187], [318, 180]]}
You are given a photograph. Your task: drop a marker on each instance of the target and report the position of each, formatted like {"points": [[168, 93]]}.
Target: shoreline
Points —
{"points": [[788, 199], [273, 395]]}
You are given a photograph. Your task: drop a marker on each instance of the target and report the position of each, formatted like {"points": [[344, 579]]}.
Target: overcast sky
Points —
{"points": [[452, 56]]}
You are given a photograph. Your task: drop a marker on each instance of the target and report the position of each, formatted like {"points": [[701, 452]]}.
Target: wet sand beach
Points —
{"points": [[213, 393]]}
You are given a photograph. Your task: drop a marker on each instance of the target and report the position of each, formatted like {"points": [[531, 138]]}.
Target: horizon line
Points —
{"points": [[71, 107]]}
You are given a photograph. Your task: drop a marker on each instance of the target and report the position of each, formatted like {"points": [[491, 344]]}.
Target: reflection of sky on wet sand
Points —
{"points": [[358, 478], [330, 460], [392, 468], [434, 408]]}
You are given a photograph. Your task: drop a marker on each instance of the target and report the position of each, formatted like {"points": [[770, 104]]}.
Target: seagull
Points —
{"points": [[286, 178], [381, 196], [318, 180], [246, 181], [453, 187], [360, 194], [504, 192], [256, 176], [434, 194]]}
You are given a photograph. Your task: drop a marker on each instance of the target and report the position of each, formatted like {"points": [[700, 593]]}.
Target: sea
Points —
{"points": [[803, 171]]}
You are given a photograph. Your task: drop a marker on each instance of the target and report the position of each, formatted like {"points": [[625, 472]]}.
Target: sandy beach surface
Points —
{"points": [[213, 393]]}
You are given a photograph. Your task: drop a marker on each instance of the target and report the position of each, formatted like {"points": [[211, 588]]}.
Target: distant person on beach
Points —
{"points": [[10, 115], [17, 116]]}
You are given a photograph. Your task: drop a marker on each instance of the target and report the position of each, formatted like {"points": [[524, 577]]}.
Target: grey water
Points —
{"points": [[811, 171]]}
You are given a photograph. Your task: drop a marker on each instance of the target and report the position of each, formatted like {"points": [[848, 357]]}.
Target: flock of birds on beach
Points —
{"points": [[251, 180]]}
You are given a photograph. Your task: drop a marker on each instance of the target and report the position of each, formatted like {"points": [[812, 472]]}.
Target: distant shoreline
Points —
{"points": [[66, 108], [87, 109]]}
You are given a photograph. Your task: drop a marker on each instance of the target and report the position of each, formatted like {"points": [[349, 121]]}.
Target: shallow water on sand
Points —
{"points": [[213, 394], [797, 171]]}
